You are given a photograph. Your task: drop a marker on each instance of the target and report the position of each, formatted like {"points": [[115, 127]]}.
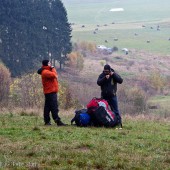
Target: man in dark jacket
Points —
{"points": [[108, 80]]}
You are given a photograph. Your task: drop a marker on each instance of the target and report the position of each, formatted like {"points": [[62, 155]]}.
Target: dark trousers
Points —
{"points": [[113, 103], [51, 105]]}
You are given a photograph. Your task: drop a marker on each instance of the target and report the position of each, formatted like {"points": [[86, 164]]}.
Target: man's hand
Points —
{"points": [[111, 73], [51, 68], [107, 76]]}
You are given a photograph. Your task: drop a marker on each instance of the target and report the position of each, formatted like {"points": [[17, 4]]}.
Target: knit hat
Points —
{"points": [[45, 62], [107, 67]]}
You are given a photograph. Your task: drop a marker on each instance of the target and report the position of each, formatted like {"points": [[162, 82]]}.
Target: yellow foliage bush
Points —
{"points": [[27, 92], [87, 46], [102, 62], [133, 100], [5, 79], [157, 81], [76, 60]]}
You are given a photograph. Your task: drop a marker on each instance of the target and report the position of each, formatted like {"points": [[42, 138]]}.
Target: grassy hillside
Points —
{"points": [[97, 11], [144, 141], [128, 28], [127, 25], [26, 144]]}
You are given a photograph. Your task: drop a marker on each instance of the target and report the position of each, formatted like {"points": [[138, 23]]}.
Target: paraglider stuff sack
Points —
{"points": [[104, 118], [82, 118]]}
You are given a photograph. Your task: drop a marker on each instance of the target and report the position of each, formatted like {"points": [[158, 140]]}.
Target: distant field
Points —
{"points": [[97, 11], [162, 101], [127, 25]]}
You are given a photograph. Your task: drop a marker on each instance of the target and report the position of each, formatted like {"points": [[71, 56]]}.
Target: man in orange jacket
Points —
{"points": [[50, 87]]}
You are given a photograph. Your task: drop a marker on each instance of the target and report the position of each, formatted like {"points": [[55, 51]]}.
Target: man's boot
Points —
{"points": [[119, 121], [47, 124], [60, 123]]}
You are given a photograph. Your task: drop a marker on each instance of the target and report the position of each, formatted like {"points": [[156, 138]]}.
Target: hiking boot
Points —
{"points": [[47, 124], [60, 123]]}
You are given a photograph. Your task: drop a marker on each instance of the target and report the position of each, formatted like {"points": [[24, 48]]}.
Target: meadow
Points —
{"points": [[144, 141], [126, 26], [25, 143]]}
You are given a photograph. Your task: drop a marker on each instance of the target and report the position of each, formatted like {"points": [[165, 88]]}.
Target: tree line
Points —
{"points": [[31, 30]]}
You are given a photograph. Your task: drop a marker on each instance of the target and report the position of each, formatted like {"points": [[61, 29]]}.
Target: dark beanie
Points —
{"points": [[45, 62], [107, 67]]}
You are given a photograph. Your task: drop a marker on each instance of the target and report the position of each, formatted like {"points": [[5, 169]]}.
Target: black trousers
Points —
{"points": [[51, 105]]}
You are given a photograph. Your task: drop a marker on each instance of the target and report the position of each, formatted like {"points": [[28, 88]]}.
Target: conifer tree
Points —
{"points": [[31, 30]]}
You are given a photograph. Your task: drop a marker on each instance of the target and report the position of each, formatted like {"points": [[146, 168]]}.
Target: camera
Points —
{"points": [[107, 72]]}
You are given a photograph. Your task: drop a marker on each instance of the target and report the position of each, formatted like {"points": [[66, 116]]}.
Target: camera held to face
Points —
{"points": [[106, 72]]}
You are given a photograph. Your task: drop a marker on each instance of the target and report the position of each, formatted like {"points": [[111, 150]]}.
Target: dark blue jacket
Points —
{"points": [[109, 86]]}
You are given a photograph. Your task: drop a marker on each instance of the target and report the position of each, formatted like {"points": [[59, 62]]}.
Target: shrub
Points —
{"points": [[157, 81], [102, 62], [137, 98], [27, 92], [66, 99], [115, 48], [91, 47], [5, 79], [85, 46], [76, 61], [132, 100]]}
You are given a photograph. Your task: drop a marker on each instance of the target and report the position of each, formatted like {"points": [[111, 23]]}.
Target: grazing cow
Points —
{"points": [[148, 41], [106, 41], [83, 26]]}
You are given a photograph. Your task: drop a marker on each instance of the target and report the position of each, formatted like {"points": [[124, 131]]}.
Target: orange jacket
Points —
{"points": [[49, 80]]}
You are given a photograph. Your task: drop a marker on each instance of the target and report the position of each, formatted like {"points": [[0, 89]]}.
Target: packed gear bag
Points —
{"points": [[95, 103], [100, 113], [101, 117], [119, 120], [82, 118]]}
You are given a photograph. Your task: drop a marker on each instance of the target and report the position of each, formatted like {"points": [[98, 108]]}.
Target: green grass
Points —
{"points": [[137, 13], [162, 101], [26, 144], [163, 104], [158, 40], [97, 11]]}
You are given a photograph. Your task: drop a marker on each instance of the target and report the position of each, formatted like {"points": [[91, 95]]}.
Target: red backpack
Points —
{"points": [[100, 113], [94, 104]]}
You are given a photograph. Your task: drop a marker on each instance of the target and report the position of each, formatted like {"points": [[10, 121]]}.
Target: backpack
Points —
{"points": [[95, 103], [104, 118], [81, 118], [100, 113]]}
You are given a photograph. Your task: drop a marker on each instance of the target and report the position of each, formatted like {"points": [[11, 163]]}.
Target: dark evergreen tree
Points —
{"points": [[31, 30]]}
